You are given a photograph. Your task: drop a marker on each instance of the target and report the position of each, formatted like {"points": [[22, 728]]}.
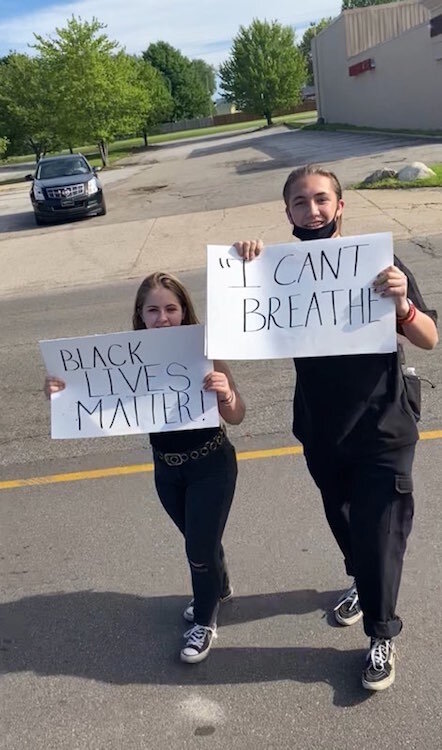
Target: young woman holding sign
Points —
{"points": [[195, 470], [356, 418]]}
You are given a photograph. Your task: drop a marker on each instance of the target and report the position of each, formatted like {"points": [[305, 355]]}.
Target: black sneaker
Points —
{"points": [[348, 610], [198, 643], [379, 672], [188, 613]]}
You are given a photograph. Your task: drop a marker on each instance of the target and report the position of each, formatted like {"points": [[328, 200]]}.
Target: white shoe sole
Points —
{"points": [[347, 620], [378, 686], [194, 659]]}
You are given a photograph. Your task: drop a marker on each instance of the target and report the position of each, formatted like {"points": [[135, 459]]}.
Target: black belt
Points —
{"points": [[177, 459]]}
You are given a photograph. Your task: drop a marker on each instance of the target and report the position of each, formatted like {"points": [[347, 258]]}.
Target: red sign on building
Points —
{"points": [[361, 67]]}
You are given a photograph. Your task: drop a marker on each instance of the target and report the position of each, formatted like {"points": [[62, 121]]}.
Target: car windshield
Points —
{"points": [[62, 168]]}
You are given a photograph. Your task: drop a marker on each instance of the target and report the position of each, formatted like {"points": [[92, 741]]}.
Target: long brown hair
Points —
{"points": [[306, 171], [166, 280]]}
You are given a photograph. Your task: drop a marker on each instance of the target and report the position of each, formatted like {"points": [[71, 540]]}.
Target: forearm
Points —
{"points": [[231, 407], [416, 326], [421, 331]]}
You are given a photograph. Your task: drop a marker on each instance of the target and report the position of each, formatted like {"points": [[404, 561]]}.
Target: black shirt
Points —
{"points": [[356, 403], [177, 441]]}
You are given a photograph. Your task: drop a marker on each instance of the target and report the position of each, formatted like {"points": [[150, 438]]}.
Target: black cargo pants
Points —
{"points": [[369, 506]]}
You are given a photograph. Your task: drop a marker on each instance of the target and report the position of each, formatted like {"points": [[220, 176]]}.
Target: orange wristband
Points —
{"points": [[410, 316]]}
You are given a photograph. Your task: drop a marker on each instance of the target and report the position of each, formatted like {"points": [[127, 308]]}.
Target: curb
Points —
{"points": [[379, 132], [388, 132]]}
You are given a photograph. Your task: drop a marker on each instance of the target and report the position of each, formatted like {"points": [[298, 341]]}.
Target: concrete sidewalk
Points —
{"points": [[87, 253]]}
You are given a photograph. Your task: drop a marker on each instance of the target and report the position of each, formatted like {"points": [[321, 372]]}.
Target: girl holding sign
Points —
{"points": [[195, 470], [356, 418]]}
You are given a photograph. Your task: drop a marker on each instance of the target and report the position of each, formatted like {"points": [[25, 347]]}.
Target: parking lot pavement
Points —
{"points": [[239, 170]]}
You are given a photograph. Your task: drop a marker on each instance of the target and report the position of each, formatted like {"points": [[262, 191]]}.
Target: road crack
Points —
{"points": [[143, 246]]}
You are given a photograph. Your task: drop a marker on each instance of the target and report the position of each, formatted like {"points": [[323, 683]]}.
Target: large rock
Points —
{"points": [[415, 171], [379, 174]]}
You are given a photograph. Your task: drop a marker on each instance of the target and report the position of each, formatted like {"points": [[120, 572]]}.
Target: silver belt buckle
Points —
{"points": [[175, 459]]}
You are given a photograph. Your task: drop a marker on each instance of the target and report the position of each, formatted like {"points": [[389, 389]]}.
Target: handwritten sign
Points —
{"points": [[306, 299], [128, 383]]}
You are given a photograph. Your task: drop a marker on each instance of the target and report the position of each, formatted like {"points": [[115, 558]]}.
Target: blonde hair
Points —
{"points": [[310, 169], [166, 280]]}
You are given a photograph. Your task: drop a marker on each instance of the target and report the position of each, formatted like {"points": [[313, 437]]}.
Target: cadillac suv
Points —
{"points": [[65, 187]]}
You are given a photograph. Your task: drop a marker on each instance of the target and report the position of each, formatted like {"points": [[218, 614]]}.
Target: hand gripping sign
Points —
{"points": [[306, 299], [128, 383]]}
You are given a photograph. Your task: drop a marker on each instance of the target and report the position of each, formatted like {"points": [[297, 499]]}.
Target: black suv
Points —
{"points": [[65, 187]]}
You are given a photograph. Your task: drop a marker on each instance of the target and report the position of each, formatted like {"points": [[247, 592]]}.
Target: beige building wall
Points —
{"points": [[404, 90], [380, 23]]}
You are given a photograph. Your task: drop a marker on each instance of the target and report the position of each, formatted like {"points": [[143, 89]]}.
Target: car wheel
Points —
{"points": [[38, 221], [103, 211]]}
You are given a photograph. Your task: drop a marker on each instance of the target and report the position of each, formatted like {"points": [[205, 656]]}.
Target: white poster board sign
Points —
{"points": [[131, 382], [306, 299]]}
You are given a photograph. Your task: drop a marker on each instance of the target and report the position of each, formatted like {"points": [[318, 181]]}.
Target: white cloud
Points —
{"points": [[199, 28]]}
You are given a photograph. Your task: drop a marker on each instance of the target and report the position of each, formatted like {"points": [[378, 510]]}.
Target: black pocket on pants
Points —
{"points": [[403, 484], [402, 509], [413, 392]]}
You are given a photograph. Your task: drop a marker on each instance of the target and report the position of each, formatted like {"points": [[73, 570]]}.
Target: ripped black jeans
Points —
{"points": [[369, 506], [197, 496]]}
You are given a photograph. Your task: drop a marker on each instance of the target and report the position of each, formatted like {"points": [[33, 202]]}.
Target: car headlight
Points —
{"points": [[38, 193], [92, 186]]}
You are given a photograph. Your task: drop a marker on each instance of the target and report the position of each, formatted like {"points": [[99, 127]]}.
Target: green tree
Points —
{"points": [[4, 143], [206, 74], [160, 106], [349, 4], [190, 94], [265, 70], [306, 43], [93, 86], [25, 111]]}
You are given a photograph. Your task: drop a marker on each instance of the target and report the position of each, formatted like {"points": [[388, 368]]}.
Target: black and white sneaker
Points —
{"points": [[348, 610], [198, 643], [379, 672], [188, 613]]}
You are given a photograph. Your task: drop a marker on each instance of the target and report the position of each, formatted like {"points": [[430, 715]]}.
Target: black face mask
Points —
{"points": [[321, 233]]}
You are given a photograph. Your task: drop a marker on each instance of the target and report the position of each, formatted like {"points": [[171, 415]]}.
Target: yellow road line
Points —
{"points": [[118, 471], [76, 476], [290, 450], [431, 435]]}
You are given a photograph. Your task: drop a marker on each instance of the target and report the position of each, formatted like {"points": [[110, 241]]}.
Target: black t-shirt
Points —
{"points": [[355, 403]]}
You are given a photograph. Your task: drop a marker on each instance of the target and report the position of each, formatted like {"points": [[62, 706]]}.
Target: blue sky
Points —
{"points": [[199, 28], [9, 7]]}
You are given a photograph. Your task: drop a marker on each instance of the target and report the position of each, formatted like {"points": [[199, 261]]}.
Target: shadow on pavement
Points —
{"points": [[24, 220], [17, 222], [201, 139], [126, 639], [296, 147]]}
